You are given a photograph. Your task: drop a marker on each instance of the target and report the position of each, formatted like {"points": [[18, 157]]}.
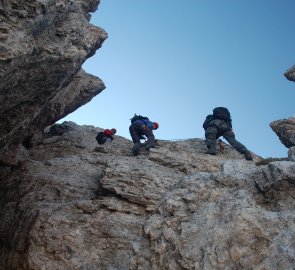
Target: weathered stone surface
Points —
{"points": [[13, 155], [43, 46], [74, 205], [285, 129], [291, 153], [290, 74]]}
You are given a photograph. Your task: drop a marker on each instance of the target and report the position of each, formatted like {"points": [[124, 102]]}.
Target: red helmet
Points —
{"points": [[113, 130], [156, 125]]}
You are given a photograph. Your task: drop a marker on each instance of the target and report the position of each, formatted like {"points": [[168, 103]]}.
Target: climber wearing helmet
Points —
{"points": [[106, 135], [140, 128], [155, 125]]}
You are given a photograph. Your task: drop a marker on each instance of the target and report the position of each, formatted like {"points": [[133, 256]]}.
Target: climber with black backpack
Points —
{"points": [[220, 124], [141, 126], [107, 135]]}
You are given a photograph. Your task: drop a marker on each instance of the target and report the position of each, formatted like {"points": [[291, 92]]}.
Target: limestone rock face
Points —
{"points": [[43, 45], [290, 74], [285, 129], [67, 203], [291, 153]]}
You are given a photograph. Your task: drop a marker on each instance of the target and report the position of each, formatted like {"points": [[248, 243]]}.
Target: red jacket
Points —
{"points": [[107, 132]]}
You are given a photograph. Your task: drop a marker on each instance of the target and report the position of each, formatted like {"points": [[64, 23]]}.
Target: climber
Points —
{"points": [[141, 126], [220, 124], [105, 136]]}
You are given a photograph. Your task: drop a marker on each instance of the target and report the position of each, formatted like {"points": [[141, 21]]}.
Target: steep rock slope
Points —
{"points": [[73, 205], [43, 45]]}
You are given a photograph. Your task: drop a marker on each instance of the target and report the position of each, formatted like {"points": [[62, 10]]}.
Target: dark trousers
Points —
{"points": [[218, 128], [136, 132]]}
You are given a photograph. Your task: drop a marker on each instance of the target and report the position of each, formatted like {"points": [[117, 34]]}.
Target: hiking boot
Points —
{"points": [[148, 146], [211, 151], [134, 152], [135, 149], [248, 155]]}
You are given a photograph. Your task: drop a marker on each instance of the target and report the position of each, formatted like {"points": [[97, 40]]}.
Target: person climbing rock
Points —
{"points": [[107, 135], [220, 124], [142, 126]]}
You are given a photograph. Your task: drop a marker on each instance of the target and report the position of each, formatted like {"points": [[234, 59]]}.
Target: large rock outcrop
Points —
{"points": [[285, 129], [43, 45], [73, 205], [290, 74]]}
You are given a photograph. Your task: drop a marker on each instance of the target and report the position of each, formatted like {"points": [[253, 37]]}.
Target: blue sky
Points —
{"points": [[174, 61]]}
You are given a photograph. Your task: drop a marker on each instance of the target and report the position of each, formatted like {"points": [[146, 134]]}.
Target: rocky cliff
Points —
{"points": [[67, 203], [73, 205], [43, 45]]}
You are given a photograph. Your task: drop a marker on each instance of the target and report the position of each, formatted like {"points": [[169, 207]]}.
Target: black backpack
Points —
{"points": [[138, 117], [221, 113], [207, 121], [99, 138]]}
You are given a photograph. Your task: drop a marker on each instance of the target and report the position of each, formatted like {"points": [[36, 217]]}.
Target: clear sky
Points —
{"points": [[174, 61]]}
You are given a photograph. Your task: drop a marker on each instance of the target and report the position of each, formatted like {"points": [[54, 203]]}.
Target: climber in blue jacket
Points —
{"points": [[140, 128]]}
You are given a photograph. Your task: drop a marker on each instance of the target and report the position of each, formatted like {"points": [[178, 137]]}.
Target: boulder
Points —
{"points": [[290, 74], [285, 129]]}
